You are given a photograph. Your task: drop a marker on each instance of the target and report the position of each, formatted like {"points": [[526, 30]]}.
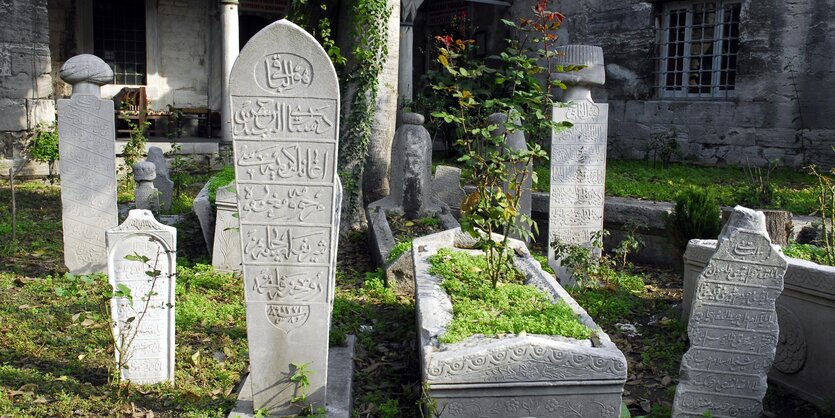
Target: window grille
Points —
{"points": [[119, 38], [698, 44]]}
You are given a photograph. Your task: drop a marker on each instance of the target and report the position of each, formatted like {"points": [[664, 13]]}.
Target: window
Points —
{"points": [[119, 38], [697, 48]]}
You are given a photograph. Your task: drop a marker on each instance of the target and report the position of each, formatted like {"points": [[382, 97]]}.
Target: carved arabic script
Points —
{"points": [[264, 116], [285, 72]]}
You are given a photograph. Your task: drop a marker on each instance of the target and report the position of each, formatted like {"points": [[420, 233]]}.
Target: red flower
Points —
{"points": [[446, 40]]}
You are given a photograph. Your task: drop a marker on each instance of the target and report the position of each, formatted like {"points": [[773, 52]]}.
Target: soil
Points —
{"points": [[406, 229]]}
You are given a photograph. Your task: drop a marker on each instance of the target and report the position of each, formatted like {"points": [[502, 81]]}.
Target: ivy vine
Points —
{"points": [[370, 51]]}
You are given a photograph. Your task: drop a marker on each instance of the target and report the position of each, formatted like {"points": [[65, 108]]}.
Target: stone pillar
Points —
{"points": [[226, 251], [287, 191], [229, 52], [405, 66], [375, 180], [145, 343], [87, 149], [578, 156], [515, 142], [733, 326], [146, 195]]}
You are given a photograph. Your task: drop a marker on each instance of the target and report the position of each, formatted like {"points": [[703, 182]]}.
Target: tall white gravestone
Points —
{"points": [[148, 338], [578, 156], [87, 150], [733, 326], [285, 114]]}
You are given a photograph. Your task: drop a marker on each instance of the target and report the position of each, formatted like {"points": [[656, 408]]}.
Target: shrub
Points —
{"points": [[696, 215], [43, 146]]}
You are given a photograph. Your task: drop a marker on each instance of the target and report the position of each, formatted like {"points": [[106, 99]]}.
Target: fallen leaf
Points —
{"points": [[21, 307], [646, 405], [62, 379], [82, 356], [409, 224], [195, 357], [87, 323], [76, 316], [628, 401], [666, 380], [29, 387]]}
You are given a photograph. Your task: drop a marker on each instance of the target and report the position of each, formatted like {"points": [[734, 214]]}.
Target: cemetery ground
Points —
{"points": [[56, 348]]}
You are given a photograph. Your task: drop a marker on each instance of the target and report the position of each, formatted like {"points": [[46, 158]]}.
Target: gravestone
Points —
{"points": [[146, 195], [411, 168], [446, 186], [285, 105], [163, 181], [226, 251], [578, 156], [148, 339], [733, 326], [87, 150], [515, 142]]}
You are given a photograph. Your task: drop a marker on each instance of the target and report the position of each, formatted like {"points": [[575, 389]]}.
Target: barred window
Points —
{"points": [[697, 49], [119, 38]]}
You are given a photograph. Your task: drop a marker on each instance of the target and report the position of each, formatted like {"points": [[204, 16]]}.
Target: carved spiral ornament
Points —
{"points": [[791, 348]]}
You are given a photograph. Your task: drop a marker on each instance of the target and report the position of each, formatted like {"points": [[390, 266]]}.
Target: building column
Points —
{"points": [[404, 83], [229, 52]]}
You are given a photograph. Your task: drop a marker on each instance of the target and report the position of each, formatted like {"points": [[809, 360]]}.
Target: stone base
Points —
{"points": [[525, 401], [340, 385]]}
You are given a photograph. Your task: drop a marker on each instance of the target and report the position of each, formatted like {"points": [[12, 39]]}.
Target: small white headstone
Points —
{"points": [[136, 247], [87, 149], [285, 105], [733, 326], [578, 157]]}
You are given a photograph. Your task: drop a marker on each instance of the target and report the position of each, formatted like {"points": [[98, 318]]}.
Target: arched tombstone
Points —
{"points": [[284, 95], [87, 150], [578, 156]]}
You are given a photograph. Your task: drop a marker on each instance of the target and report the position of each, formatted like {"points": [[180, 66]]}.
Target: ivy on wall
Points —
{"points": [[370, 51]]}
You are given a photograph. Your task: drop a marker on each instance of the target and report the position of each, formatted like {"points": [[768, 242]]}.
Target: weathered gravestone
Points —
{"points": [[411, 170], [145, 195], [733, 326], [578, 156], [141, 256], [226, 251], [87, 149], [446, 186], [515, 142], [163, 181], [285, 105]]}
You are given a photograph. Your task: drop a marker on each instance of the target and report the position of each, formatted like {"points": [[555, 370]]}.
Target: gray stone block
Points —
{"points": [[226, 251], [162, 182]]}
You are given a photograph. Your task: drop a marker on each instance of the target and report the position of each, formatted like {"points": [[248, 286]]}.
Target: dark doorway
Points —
{"points": [[249, 25]]}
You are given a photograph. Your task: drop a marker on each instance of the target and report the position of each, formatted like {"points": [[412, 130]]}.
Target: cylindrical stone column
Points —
{"points": [[229, 52], [411, 167]]}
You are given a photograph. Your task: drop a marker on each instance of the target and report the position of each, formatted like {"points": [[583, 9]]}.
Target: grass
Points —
{"points": [[793, 190], [57, 349], [225, 176], [807, 252], [478, 308]]}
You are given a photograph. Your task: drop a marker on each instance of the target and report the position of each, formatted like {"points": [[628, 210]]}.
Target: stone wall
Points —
{"points": [[25, 80], [760, 124]]}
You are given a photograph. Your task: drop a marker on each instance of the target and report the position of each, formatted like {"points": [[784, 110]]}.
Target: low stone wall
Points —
{"points": [[805, 360]]}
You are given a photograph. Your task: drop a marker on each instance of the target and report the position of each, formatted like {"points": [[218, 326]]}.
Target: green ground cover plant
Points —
{"points": [[808, 252], [792, 190], [57, 348], [509, 307]]}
